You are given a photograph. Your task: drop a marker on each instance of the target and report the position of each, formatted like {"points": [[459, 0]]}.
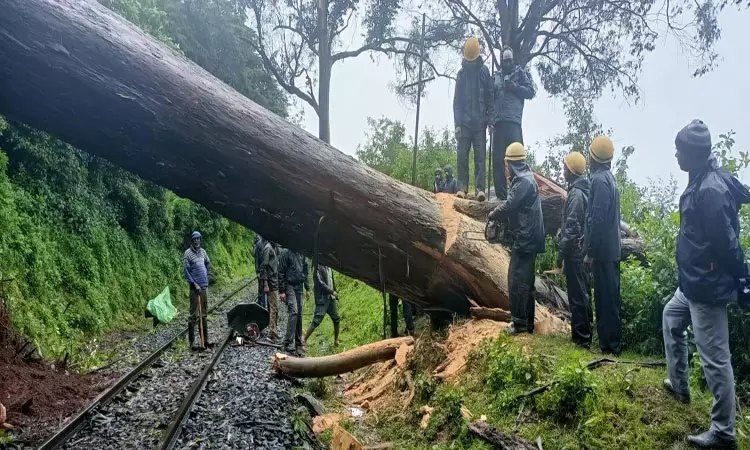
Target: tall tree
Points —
{"points": [[300, 41], [582, 47]]}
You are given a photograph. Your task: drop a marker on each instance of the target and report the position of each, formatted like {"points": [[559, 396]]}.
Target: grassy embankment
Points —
{"points": [[611, 407]]}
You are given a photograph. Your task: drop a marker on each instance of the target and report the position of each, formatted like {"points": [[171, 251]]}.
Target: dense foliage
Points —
{"points": [[87, 244]]}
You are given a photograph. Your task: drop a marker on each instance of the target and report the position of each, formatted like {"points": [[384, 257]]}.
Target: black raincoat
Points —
{"points": [[473, 105], [449, 184], [523, 208], [709, 257], [602, 239]]}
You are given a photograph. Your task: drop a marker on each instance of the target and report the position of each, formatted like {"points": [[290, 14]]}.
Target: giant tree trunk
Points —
{"points": [[79, 71]]}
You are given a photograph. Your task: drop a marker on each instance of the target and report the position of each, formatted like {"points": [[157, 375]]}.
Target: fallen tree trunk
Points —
{"points": [[499, 439], [343, 362], [82, 73], [497, 314]]}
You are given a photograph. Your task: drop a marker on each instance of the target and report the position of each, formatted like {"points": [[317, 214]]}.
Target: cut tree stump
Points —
{"points": [[82, 73], [324, 366], [499, 439], [497, 314]]}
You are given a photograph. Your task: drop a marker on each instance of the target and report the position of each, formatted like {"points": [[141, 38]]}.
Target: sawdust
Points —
{"points": [[343, 440], [464, 338], [451, 219], [402, 354]]}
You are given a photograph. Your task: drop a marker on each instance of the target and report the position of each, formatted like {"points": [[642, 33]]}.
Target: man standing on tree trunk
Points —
{"points": [[602, 243], [709, 263], [472, 112], [326, 302], [512, 87], [196, 265], [268, 277], [523, 211], [292, 278], [571, 252]]}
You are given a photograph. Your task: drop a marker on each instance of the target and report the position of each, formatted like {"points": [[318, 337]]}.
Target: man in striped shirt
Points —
{"points": [[197, 265]]}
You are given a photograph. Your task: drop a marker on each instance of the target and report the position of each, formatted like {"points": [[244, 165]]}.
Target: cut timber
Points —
{"points": [[343, 362], [497, 314], [79, 71], [499, 439]]}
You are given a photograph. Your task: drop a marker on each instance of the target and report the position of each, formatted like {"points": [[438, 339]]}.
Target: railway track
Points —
{"points": [[102, 417]]}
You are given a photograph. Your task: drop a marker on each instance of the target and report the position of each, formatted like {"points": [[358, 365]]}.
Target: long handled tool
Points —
{"points": [[201, 331]]}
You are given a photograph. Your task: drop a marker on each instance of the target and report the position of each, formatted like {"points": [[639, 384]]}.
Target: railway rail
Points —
{"points": [[74, 425]]}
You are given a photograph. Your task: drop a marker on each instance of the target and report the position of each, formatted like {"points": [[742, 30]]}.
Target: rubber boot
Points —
{"points": [[191, 334]]}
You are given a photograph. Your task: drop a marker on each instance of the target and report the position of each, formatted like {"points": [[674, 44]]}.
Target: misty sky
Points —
{"points": [[670, 99]]}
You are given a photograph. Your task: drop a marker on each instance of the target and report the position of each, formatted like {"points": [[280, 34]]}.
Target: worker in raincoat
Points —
{"points": [[449, 184], [326, 302], [472, 114], [710, 262], [437, 185], [523, 211], [571, 251], [268, 278], [513, 85], [293, 277], [602, 242]]}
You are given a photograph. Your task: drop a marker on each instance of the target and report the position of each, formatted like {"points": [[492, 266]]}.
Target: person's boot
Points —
{"points": [[481, 196], [514, 329], [683, 397], [710, 439]]}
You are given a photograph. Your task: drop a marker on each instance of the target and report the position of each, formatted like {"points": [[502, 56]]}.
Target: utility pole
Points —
{"points": [[420, 85]]}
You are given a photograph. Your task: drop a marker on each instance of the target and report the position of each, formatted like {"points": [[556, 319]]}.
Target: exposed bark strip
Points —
{"points": [[343, 362], [497, 314], [499, 439]]}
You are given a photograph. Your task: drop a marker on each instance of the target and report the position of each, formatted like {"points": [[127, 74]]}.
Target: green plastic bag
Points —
{"points": [[161, 307]]}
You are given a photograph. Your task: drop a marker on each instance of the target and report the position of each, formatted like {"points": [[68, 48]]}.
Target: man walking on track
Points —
{"points": [[326, 302], [292, 278], [196, 265], [268, 278]]}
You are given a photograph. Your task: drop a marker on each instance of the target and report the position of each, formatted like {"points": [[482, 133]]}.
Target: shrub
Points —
{"points": [[508, 366], [569, 393]]}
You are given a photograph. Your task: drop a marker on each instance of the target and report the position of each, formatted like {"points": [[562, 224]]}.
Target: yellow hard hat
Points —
{"points": [[602, 149], [515, 152], [576, 163], [471, 49]]}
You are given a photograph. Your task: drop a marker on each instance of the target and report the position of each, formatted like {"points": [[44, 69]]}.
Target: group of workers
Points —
{"points": [[711, 263], [282, 277]]}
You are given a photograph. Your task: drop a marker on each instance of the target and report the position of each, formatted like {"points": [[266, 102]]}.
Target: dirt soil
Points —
{"points": [[38, 396]]}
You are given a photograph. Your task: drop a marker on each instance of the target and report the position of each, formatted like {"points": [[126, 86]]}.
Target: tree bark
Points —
{"points": [[79, 71], [324, 74], [324, 366], [497, 314]]}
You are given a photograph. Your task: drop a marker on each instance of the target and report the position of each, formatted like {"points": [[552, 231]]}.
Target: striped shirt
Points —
{"points": [[196, 266]]}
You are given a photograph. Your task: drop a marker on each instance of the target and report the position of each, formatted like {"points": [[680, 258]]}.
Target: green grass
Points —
{"points": [[361, 313]]}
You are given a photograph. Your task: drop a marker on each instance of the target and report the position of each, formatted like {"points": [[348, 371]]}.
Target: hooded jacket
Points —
{"points": [[449, 184], [524, 210], [292, 270], [511, 91], [472, 101], [269, 266], [709, 256], [602, 237], [574, 221], [323, 287]]}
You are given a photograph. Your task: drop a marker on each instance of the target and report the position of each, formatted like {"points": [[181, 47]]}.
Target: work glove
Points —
{"points": [[495, 214], [458, 133]]}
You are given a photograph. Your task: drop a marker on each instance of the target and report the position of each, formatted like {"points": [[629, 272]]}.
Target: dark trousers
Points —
{"points": [[198, 312], [579, 301], [608, 305], [468, 140], [521, 289], [300, 304], [407, 311], [505, 134], [292, 312]]}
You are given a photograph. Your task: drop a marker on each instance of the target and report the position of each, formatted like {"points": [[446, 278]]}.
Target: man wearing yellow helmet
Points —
{"points": [[523, 210], [571, 252], [472, 113], [602, 241]]}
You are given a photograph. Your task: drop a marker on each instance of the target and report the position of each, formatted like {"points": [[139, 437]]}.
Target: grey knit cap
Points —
{"points": [[694, 135]]}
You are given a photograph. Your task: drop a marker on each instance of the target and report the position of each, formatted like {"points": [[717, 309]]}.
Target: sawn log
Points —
{"points": [[324, 366], [81, 72]]}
